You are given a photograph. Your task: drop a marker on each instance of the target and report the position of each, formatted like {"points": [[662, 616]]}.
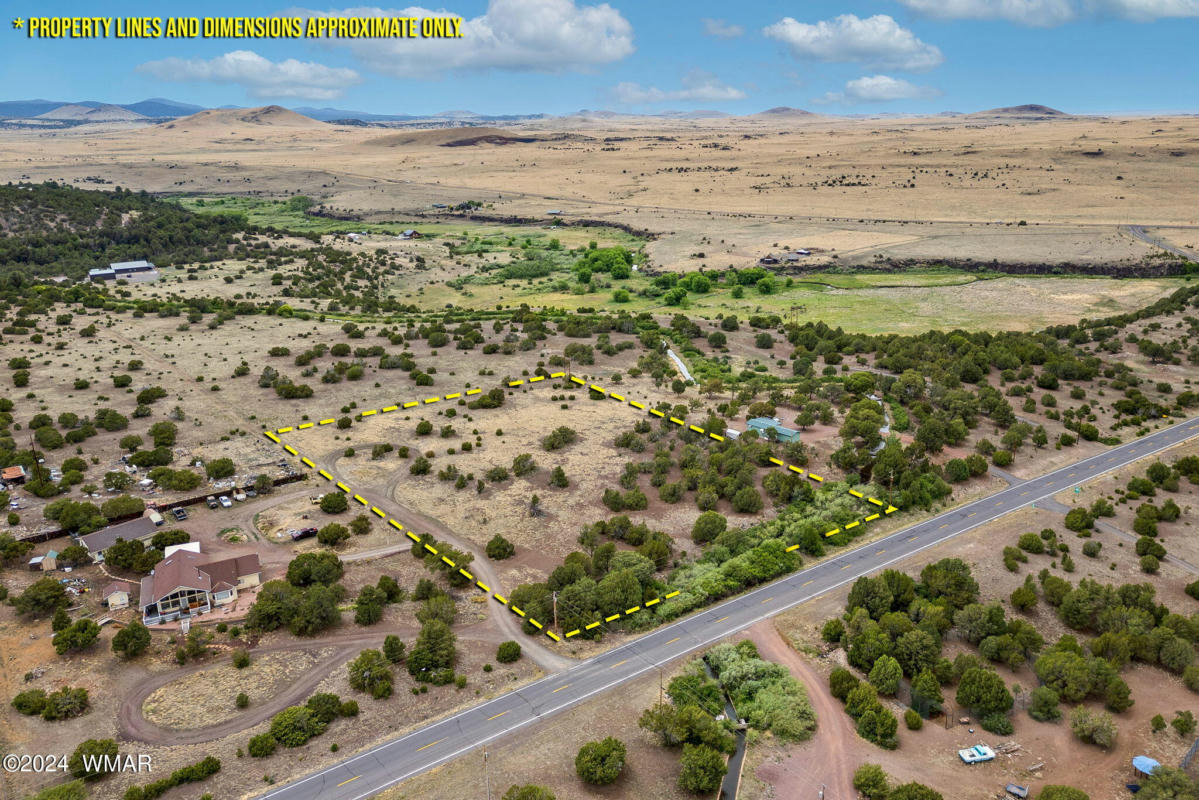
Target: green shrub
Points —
{"points": [[508, 652]]}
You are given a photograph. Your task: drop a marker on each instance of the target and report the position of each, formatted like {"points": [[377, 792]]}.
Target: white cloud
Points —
{"points": [[698, 87], [878, 89], [721, 29], [1047, 13], [518, 35], [876, 41], [1035, 13], [260, 76], [1146, 10]]}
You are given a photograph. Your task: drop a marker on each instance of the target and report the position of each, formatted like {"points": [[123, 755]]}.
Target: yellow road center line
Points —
{"points": [[614, 666], [806, 583], [497, 716], [350, 780], [563, 686], [430, 744], [675, 639], [722, 619], [767, 600]]}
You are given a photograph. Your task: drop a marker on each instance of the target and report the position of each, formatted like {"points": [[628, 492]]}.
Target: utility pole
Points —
{"points": [[660, 698], [555, 596]]}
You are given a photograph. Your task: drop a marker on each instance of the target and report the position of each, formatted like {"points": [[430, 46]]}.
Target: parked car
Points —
{"points": [[179, 514], [251, 493], [212, 503], [225, 501], [239, 496], [302, 533]]}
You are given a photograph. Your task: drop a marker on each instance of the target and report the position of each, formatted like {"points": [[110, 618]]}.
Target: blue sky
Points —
{"points": [[557, 56]]}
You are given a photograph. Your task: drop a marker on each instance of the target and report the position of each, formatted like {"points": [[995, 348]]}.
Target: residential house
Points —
{"points": [[96, 543], [186, 583]]}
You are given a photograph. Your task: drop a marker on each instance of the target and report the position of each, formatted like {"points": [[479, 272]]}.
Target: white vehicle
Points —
{"points": [[239, 496], [976, 754], [225, 501]]}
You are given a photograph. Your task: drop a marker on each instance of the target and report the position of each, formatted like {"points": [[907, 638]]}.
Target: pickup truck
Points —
{"points": [[302, 533], [212, 503]]}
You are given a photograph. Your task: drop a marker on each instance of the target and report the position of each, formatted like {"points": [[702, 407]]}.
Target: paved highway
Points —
{"points": [[369, 772]]}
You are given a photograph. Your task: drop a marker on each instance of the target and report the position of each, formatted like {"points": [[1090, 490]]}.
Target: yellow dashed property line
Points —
{"points": [[451, 563], [343, 487], [611, 618], [553, 636], [517, 611], [361, 499], [872, 518], [671, 594], [657, 413], [413, 536], [290, 449], [815, 477], [595, 388], [305, 426], [616, 396], [716, 436], [792, 547], [777, 462], [515, 383], [833, 532], [377, 511], [677, 421], [795, 469], [578, 380], [649, 603], [284, 430], [431, 548], [389, 408], [370, 413], [635, 404], [557, 374], [466, 574], [453, 396], [535, 623], [483, 586], [874, 500], [575, 632], [473, 391], [271, 436], [325, 475], [411, 403], [429, 400], [327, 421], [595, 624], [500, 598], [632, 610], [853, 524], [308, 463], [856, 493], [890, 509], [537, 378]]}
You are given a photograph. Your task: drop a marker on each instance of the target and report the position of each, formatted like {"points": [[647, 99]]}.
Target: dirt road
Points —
{"points": [[826, 757]]}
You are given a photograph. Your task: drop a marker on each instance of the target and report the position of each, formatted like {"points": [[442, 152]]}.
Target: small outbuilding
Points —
{"points": [[117, 594], [45, 563], [764, 425], [14, 475]]}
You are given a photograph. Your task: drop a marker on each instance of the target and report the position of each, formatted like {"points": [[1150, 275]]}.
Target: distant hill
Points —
{"points": [[230, 120], [340, 114], [162, 107], [784, 111], [80, 113], [449, 137], [1027, 111]]}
